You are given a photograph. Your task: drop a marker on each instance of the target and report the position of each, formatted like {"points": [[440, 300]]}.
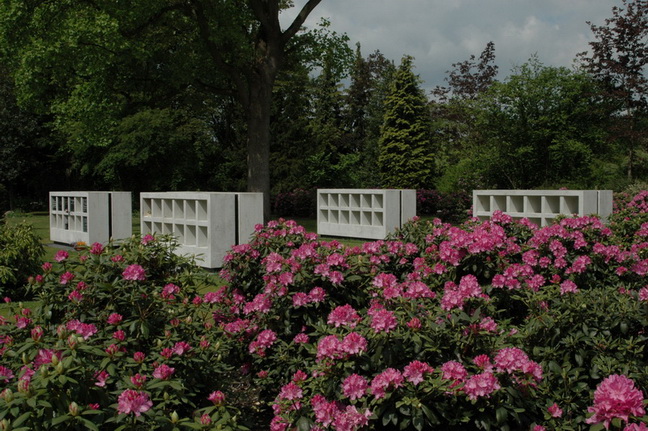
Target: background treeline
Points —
{"points": [[340, 118]]}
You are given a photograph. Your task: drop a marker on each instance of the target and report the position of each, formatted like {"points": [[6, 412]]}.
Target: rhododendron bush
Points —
{"points": [[486, 325]]}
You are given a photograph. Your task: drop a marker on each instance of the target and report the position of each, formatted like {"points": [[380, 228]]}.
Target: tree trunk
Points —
{"points": [[258, 136]]}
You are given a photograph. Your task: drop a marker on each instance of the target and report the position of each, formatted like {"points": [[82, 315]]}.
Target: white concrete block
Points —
{"points": [[542, 206], [363, 213], [205, 224], [89, 216]]}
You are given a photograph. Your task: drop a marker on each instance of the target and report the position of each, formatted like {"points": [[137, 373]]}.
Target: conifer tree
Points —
{"points": [[405, 159]]}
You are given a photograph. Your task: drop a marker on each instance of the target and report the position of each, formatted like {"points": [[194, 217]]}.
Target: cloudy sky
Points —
{"points": [[438, 33]]}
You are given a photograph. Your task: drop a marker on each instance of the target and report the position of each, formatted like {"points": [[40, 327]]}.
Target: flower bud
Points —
{"points": [[55, 360], [7, 395], [23, 386], [24, 358], [174, 418], [74, 409], [72, 341], [5, 425], [166, 396], [59, 367]]}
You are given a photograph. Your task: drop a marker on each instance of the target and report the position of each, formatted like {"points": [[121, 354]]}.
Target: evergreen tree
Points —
{"points": [[405, 159]]}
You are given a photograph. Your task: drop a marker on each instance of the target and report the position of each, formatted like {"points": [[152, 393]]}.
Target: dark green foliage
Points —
{"points": [[20, 257], [545, 126], [405, 159]]}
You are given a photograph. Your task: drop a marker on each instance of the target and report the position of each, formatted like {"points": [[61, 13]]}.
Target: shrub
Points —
{"points": [[451, 207], [20, 256], [122, 342], [298, 203]]}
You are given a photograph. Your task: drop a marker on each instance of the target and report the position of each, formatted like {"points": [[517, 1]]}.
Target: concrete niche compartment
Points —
{"points": [[363, 213], [89, 216], [542, 206], [206, 224]]}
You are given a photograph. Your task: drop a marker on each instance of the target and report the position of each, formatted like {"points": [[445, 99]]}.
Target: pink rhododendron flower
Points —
{"points": [[616, 397], [47, 267], [163, 372], [61, 255], [66, 277], [5, 373], [383, 320], [147, 238], [481, 385], [217, 397], [453, 370], [390, 378], [300, 338], [101, 377], [568, 286], [169, 290], [343, 315], [325, 411], [414, 323], [181, 347], [636, 427], [96, 248], [354, 343], [138, 380], [354, 386], [139, 357], [415, 371], [350, 419], [114, 319], [86, 330], [291, 391], [134, 272], [131, 401], [555, 411], [317, 294]]}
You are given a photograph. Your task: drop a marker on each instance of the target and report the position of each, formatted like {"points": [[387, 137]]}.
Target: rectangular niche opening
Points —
{"points": [[323, 199], [201, 210], [344, 200], [516, 204], [156, 205], [551, 205], [570, 205], [378, 219], [146, 208], [190, 234], [533, 204], [355, 217], [334, 217], [344, 217], [377, 202], [333, 200], [201, 240], [499, 203], [178, 233], [483, 203], [167, 229], [178, 208], [53, 203], [365, 201], [354, 201], [157, 227], [167, 208], [84, 205], [190, 210], [147, 228], [84, 224], [536, 220], [365, 219], [324, 216]]}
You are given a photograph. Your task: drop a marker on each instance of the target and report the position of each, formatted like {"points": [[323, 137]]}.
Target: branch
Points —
{"points": [[299, 20]]}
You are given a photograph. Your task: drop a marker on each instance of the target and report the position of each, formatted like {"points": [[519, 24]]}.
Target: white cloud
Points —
{"points": [[438, 33]]}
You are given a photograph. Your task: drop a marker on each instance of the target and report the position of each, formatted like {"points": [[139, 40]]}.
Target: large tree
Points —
{"points": [[405, 160], [95, 63], [546, 127], [619, 59]]}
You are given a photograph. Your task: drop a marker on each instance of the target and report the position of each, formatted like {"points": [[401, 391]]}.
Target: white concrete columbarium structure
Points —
{"points": [[205, 224], [363, 213], [542, 206], [89, 216]]}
